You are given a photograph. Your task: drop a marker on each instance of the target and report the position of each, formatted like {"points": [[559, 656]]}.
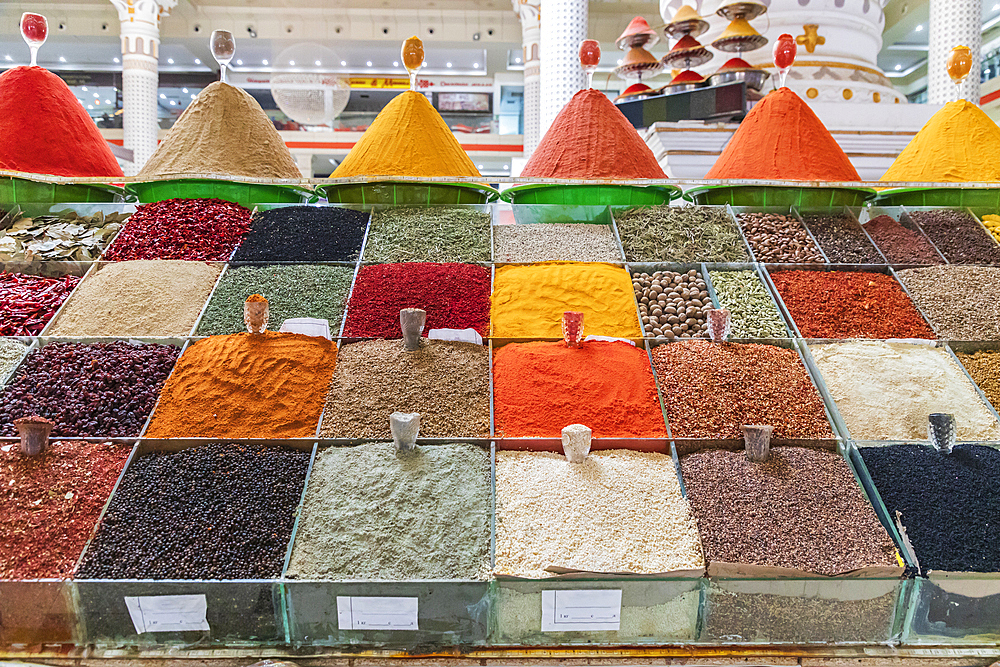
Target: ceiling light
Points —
{"points": [[170, 61], [162, 96], [448, 64], [264, 62], [292, 63], [107, 101], [8, 58], [84, 89], [920, 27], [479, 166], [369, 63], [318, 63], [898, 67], [239, 62], [506, 167], [996, 7], [395, 63], [97, 94], [332, 161], [62, 59], [619, 62], [193, 96], [517, 60], [343, 63], [173, 102], [184, 90], [117, 60], [197, 61], [90, 106], [476, 65]]}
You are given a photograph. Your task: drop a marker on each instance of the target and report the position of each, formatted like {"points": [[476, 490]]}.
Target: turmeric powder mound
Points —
{"points": [[591, 138], [225, 132], [782, 139], [528, 301], [270, 385], [407, 138], [959, 143]]}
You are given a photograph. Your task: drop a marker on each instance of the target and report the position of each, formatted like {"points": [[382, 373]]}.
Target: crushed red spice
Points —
{"points": [[455, 296], [49, 504], [196, 229], [849, 304], [27, 303]]}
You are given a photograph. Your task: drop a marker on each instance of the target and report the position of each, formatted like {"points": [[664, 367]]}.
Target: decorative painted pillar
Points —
{"points": [[564, 26], [140, 35], [953, 23], [529, 12]]}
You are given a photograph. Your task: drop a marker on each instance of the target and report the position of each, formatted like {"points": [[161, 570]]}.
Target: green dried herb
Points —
{"points": [[291, 290], [753, 312], [429, 235], [680, 234], [63, 236]]}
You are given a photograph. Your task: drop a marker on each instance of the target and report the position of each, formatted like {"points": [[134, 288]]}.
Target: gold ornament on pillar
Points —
{"points": [[811, 39]]}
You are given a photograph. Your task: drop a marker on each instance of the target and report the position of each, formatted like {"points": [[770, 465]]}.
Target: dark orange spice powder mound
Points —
{"points": [[781, 138], [591, 138]]}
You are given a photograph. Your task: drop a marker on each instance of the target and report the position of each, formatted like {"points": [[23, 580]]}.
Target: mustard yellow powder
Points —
{"points": [[959, 143], [528, 300], [407, 138]]}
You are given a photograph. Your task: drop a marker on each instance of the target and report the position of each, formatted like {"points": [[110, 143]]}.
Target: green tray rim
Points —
{"points": [[673, 191], [104, 187], [131, 187], [891, 192], [491, 193], [699, 189]]}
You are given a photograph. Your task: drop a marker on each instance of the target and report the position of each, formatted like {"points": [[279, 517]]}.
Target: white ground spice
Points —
{"points": [[572, 242], [618, 511], [161, 297], [884, 391], [520, 618], [11, 352]]}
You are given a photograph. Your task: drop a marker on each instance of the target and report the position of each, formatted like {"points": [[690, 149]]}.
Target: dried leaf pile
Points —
{"points": [[63, 236]]}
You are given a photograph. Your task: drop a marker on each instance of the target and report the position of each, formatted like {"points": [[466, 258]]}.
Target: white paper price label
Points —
{"points": [[377, 613], [168, 613], [564, 611]]}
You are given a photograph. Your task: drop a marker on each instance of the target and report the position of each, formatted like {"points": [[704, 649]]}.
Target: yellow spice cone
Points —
{"points": [[407, 138]]}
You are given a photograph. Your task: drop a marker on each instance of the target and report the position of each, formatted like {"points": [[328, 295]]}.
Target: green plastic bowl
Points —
{"points": [[404, 193], [950, 197], [591, 195], [244, 194], [769, 195], [23, 191]]}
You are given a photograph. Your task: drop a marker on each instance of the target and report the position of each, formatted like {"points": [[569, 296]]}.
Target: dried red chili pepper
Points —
{"points": [[849, 304], [27, 303], [194, 229]]}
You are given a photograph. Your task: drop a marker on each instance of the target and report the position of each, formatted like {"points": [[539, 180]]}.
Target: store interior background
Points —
{"points": [[474, 68]]}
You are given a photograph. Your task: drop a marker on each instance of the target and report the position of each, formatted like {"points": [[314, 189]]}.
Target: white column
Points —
{"points": [[953, 23], [140, 35], [528, 10], [304, 161], [564, 26]]}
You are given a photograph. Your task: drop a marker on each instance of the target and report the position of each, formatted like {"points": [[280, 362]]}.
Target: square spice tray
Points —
{"points": [[540, 214], [364, 208], [30, 343], [685, 445], [554, 444], [866, 214], [975, 213], [943, 607], [726, 209], [367, 258], [755, 605], [769, 269], [452, 613], [239, 612], [846, 212], [47, 611], [788, 211], [840, 425], [50, 269]]}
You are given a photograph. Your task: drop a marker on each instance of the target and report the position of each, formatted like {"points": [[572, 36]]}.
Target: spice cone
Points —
{"points": [[958, 144], [224, 132], [45, 130], [781, 138], [591, 138], [407, 138]]}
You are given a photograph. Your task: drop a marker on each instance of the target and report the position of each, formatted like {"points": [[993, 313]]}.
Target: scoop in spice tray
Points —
{"points": [[256, 313]]}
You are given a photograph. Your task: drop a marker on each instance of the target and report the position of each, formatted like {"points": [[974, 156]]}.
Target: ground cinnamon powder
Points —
{"points": [[591, 138], [541, 387], [224, 131], [45, 130], [781, 138], [407, 138], [270, 385]]}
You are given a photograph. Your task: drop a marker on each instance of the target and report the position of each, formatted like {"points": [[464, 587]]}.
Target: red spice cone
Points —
{"points": [[45, 130], [591, 138], [781, 138]]}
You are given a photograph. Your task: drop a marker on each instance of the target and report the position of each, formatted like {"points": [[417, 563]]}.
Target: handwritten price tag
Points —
{"points": [[376, 613]]}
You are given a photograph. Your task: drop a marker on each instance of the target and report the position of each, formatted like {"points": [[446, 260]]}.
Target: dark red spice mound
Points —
{"points": [[849, 304], [899, 244], [196, 229], [27, 302], [45, 130], [48, 513], [590, 138], [455, 296]]}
